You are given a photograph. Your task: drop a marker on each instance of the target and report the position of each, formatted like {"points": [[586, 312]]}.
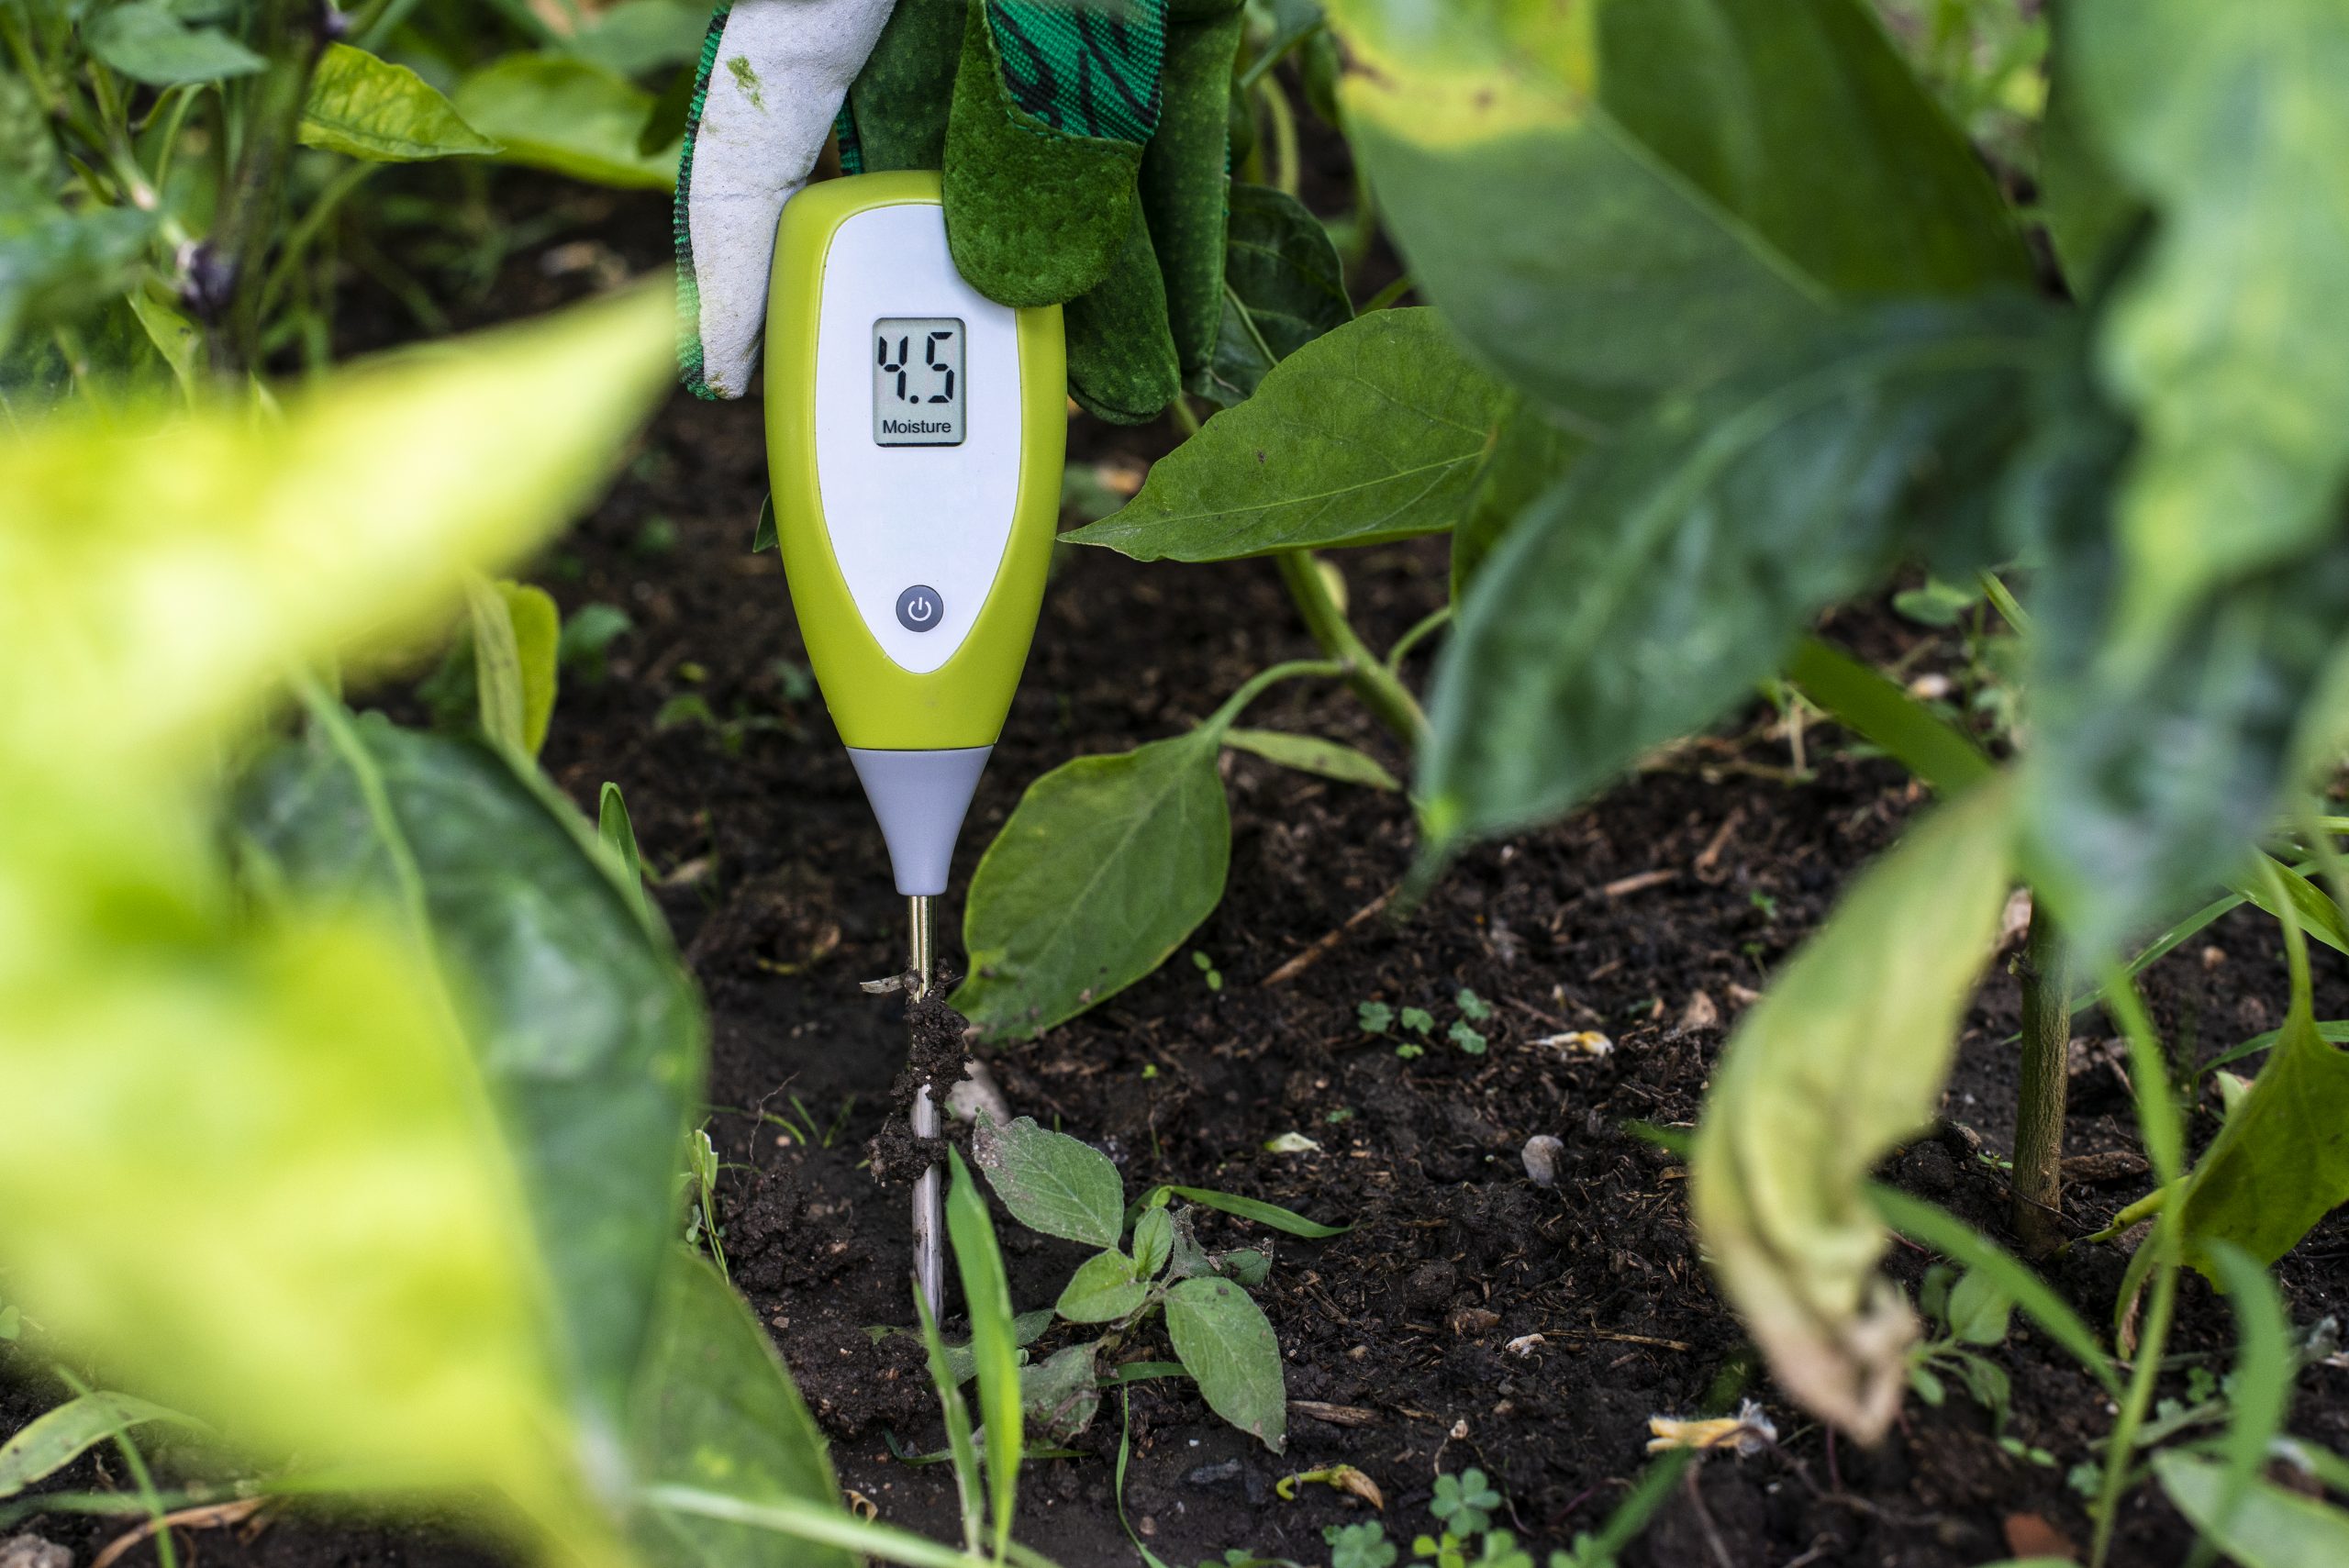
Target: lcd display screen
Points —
{"points": [[918, 381]]}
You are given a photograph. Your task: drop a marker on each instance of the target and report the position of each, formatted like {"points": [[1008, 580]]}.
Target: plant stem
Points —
{"points": [[224, 281], [1389, 701], [2039, 1105]]}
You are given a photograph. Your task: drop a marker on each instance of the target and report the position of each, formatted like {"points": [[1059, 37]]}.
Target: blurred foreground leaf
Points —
{"points": [[1612, 201], [569, 115], [1863, 1019]]}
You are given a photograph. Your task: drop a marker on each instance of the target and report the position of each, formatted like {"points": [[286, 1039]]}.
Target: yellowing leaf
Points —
{"points": [[157, 579], [1842, 1060]]}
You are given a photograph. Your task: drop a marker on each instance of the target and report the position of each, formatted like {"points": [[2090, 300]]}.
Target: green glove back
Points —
{"points": [[1085, 148]]}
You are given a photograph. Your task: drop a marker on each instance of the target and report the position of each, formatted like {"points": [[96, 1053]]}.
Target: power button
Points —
{"points": [[919, 608]]}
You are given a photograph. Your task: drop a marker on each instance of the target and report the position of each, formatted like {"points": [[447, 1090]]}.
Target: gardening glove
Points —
{"points": [[1083, 145]]}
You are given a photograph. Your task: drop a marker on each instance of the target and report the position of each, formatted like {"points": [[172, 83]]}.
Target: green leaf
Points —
{"points": [[2089, 207], [365, 106], [1373, 432], [587, 1029], [538, 637], [1227, 1347], [1883, 713], [1283, 286], [2230, 339], [1946, 1233], [1842, 1060], [1702, 542], [175, 338], [563, 113], [1107, 863], [2280, 1162], [714, 1408], [1612, 201], [638, 36], [1979, 1308], [1312, 754], [1105, 1289], [987, 1296], [1531, 452], [502, 682], [1051, 1182], [2267, 1528], [54, 1439], [1153, 1242], [618, 835], [1263, 1213], [146, 40], [587, 637], [1060, 1396], [57, 266]]}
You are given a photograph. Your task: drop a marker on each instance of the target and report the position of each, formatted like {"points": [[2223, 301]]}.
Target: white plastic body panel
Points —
{"points": [[901, 516]]}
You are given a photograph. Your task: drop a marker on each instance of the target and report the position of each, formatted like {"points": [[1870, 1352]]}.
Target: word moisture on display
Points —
{"points": [[918, 381]]}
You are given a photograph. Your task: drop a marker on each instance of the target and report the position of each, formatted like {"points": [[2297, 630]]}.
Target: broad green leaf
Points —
{"points": [[1283, 286], [175, 338], [1700, 543], [1372, 432], [1842, 1058], [1530, 454], [365, 106], [714, 1408], [1229, 1349], [54, 1439], [56, 266], [147, 41], [1313, 754], [189, 1106], [2280, 1162], [1105, 866], [2268, 1527], [580, 1019], [1051, 1182], [1614, 200], [1153, 1242], [165, 573], [1883, 713], [2151, 778], [1104, 1289], [564, 114], [986, 1296], [1979, 1309], [2231, 339], [2088, 208], [1060, 1396]]}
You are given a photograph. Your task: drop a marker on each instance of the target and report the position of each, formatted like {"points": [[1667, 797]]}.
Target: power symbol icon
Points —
{"points": [[919, 608]]}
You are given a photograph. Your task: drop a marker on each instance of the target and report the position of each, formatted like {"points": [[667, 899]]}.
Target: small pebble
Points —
{"points": [[32, 1552], [1542, 1153]]}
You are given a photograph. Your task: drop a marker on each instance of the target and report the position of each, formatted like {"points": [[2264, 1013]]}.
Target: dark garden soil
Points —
{"points": [[1470, 1316]]}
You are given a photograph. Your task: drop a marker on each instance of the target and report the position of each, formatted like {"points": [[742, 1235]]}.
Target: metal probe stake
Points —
{"points": [[929, 1203]]}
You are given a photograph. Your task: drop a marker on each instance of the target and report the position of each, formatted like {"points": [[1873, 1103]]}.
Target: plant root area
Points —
{"points": [[1470, 1316]]}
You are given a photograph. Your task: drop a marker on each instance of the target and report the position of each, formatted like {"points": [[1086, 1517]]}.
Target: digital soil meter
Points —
{"points": [[916, 436]]}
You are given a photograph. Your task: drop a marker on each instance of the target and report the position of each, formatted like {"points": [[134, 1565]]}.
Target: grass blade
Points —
{"points": [[1263, 1213], [966, 1454], [988, 1295], [827, 1526], [55, 1440]]}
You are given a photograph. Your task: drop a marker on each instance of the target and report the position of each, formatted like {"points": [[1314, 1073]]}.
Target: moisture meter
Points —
{"points": [[915, 433]]}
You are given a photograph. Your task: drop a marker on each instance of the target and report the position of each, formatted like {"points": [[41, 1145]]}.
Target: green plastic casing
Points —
{"points": [[877, 704]]}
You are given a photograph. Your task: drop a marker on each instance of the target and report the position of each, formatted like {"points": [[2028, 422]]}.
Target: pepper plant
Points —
{"points": [[1675, 394]]}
